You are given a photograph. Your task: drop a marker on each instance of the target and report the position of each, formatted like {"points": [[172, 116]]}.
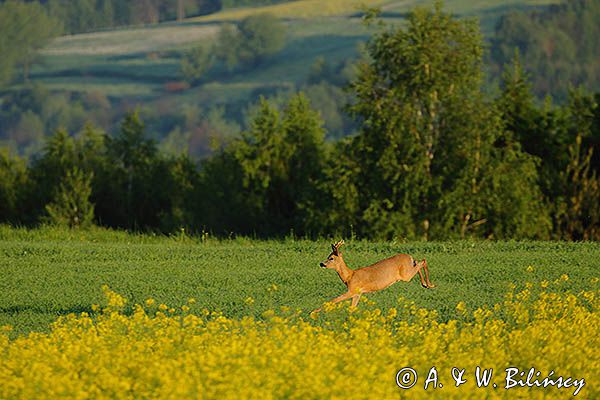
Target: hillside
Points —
{"points": [[140, 66], [135, 61]]}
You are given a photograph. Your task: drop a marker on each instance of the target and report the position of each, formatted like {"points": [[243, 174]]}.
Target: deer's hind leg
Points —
{"points": [[422, 279]]}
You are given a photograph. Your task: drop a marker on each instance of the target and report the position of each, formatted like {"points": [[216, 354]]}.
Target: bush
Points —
{"points": [[195, 63], [249, 43]]}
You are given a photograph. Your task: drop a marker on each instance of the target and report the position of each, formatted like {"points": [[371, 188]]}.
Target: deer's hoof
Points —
{"points": [[431, 286]]}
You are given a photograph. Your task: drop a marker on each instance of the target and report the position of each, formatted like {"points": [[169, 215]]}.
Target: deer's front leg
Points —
{"points": [[355, 300], [342, 297], [429, 284]]}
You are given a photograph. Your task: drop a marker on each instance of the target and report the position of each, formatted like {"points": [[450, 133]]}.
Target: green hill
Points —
{"points": [[140, 65], [137, 61]]}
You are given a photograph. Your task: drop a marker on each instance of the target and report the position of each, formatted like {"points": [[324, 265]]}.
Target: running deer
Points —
{"points": [[378, 276]]}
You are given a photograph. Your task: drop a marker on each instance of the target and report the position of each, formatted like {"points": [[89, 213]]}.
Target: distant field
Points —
{"points": [[46, 273], [135, 63], [301, 9]]}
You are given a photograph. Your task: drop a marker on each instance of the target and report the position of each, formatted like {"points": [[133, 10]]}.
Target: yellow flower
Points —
{"points": [[156, 355], [530, 268]]}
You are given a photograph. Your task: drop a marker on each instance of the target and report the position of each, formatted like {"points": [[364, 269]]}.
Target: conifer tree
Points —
{"points": [[71, 205]]}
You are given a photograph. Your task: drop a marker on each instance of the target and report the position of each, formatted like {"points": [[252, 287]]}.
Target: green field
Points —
{"points": [[49, 272], [134, 63]]}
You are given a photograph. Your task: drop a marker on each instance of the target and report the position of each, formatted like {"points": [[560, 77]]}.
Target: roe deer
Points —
{"points": [[378, 276]]}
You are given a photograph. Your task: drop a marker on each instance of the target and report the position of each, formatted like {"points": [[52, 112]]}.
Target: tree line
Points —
{"points": [[434, 158], [91, 15]]}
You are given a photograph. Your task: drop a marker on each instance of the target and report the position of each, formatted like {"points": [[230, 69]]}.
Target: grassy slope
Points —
{"points": [[136, 62], [46, 273]]}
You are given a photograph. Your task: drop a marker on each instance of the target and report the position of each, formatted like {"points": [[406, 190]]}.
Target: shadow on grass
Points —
{"points": [[38, 309]]}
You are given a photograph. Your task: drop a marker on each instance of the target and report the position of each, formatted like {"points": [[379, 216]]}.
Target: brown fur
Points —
{"points": [[378, 276]]}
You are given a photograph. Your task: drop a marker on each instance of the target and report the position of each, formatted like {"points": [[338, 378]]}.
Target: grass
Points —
{"points": [[49, 272]]}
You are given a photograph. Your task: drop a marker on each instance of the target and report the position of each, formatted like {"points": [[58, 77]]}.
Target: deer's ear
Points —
{"points": [[334, 249]]}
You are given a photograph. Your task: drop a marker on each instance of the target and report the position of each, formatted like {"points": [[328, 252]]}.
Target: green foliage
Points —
{"points": [[90, 15], [137, 175], [24, 29], [558, 45], [181, 185], [428, 148], [251, 41], [269, 173], [195, 63], [338, 210], [13, 180], [226, 47], [250, 3], [71, 206], [432, 157], [578, 207], [559, 139]]}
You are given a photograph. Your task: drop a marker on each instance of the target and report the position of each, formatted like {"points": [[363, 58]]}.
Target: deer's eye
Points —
{"points": [[330, 258]]}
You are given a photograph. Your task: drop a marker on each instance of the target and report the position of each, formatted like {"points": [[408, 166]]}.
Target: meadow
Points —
{"points": [[143, 316], [50, 272]]}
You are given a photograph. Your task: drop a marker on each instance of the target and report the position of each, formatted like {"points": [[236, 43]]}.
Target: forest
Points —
{"points": [[433, 154]]}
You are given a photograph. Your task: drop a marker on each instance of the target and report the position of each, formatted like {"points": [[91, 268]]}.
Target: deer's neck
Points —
{"points": [[345, 273]]}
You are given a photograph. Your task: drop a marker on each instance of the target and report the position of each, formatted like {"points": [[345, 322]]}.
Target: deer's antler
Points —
{"points": [[336, 247]]}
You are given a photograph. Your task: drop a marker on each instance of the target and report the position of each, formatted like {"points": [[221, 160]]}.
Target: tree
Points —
{"points": [[227, 46], [335, 209], [251, 41], [13, 180], [304, 134], [145, 11], [262, 35], [558, 45], [578, 206], [180, 10], [181, 185], [24, 28], [137, 176], [264, 182], [428, 146], [71, 205], [195, 63]]}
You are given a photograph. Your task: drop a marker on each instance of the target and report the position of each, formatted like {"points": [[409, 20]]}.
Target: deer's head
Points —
{"points": [[334, 259]]}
